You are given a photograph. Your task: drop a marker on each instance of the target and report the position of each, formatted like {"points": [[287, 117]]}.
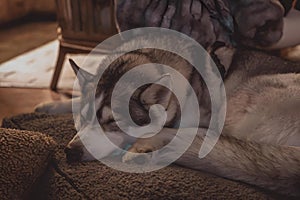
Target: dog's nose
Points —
{"points": [[73, 154]]}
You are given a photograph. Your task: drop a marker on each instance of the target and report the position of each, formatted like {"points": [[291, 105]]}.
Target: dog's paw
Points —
{"points": [[140, 149], [143, 147], [129, 156]]}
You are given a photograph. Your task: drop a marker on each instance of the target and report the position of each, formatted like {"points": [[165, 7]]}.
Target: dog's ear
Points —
{"points": [[156, 93], [83, 76]]}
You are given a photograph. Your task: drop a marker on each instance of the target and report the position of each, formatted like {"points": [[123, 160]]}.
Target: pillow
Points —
{"points": [[24, 156]]}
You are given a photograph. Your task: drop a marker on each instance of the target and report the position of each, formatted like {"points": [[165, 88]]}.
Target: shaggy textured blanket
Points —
{"points": [[24, 156], [93, 180]]}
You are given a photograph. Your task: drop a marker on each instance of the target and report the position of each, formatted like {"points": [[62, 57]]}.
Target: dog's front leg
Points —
{"points": [[149, 144]]}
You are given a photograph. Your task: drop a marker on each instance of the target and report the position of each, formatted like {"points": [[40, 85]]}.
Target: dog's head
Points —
{"points": [[96, 102]]}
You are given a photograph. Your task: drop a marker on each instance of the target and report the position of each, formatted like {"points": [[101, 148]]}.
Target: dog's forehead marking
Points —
{"points": [[105, 110], [106, 113], [98, 100], [85, 109]]}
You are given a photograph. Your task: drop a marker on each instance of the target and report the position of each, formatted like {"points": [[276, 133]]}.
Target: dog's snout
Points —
{"points": [[73, 154]]}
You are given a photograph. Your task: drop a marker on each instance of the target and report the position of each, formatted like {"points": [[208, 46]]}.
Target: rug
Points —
{"points": [[94, 180], [35, 68]]}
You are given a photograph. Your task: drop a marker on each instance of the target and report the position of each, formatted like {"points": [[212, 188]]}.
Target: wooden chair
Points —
{"points": [[82, 25]]}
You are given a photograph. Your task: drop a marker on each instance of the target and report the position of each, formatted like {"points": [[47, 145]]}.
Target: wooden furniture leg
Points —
{"points": [[58, 68]]}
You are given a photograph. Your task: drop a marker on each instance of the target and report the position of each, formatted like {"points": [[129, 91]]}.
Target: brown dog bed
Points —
{"points": [[24, 156], [93, 180]]}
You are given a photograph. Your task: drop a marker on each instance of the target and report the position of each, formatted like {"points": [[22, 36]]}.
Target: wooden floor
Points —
{"points": [[21, 38], [16, 39], [15, 101]]}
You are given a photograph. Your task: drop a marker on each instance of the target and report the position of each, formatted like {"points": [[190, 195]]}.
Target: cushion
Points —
{"points": [[24, 156], [94, 180]]}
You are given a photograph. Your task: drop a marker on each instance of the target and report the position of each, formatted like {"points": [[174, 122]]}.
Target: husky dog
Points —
{"points": [[260, 142]]}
